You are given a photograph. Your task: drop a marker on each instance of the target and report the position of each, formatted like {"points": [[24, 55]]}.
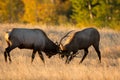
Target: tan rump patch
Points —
{"points": [[7, 38]]}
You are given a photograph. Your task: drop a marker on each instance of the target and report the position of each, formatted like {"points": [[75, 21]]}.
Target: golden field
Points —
{"points": [[55, 68]]}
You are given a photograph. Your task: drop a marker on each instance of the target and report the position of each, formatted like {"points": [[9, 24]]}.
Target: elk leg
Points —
{"points": [[98, 52], [33, 55], [9, 57], [5, 56], [85, 54], [41, 56], [72, 56], [67, 57], [7, 53], [7, 50]]}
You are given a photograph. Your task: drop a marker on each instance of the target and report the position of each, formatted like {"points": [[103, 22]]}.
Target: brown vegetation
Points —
{"points": [[54, 68]]}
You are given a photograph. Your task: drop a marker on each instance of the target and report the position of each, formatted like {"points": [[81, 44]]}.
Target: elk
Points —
{"points": [[35, 39], [80, 40]]}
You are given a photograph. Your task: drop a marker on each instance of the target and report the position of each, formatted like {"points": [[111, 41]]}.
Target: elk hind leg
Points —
{"points": [[98, 51], [7, 52], [5, 55]]}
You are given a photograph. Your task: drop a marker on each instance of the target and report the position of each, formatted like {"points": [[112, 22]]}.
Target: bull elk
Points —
{"points": [[81, 40], [35, 39]]}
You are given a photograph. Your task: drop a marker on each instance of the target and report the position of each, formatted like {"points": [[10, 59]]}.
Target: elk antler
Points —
{"points": [[64, 37]]}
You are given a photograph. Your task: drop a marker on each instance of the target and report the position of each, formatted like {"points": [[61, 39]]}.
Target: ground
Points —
{"points": [[55, 68]]}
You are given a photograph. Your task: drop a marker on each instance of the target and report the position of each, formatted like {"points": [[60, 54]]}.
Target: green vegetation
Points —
{"points": [[103, 13], [100, 13]]}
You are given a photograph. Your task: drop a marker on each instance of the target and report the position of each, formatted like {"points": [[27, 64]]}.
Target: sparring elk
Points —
{"points": [[80, 40], [35, 39]]}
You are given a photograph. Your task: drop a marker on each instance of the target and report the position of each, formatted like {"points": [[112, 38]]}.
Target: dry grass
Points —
{"points": [[55, 69]]}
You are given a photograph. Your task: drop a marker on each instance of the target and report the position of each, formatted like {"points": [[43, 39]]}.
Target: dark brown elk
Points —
{"points": [[34, 39], [81, 40]]}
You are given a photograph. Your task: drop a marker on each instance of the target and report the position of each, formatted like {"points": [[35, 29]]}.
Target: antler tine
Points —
{"points": [[65, 36]]}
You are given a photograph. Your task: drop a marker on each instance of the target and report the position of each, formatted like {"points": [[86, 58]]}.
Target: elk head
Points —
{"points": [[62, 48]]}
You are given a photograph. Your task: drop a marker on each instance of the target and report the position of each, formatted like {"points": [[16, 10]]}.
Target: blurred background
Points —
{"points": [[99, 13]]}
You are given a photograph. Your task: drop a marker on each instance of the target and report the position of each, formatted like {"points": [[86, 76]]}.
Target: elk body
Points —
{"points": [[81, 40], [35, 39]]}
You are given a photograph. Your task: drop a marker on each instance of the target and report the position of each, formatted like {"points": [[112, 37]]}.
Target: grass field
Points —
{"points": [[54, 68]]}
